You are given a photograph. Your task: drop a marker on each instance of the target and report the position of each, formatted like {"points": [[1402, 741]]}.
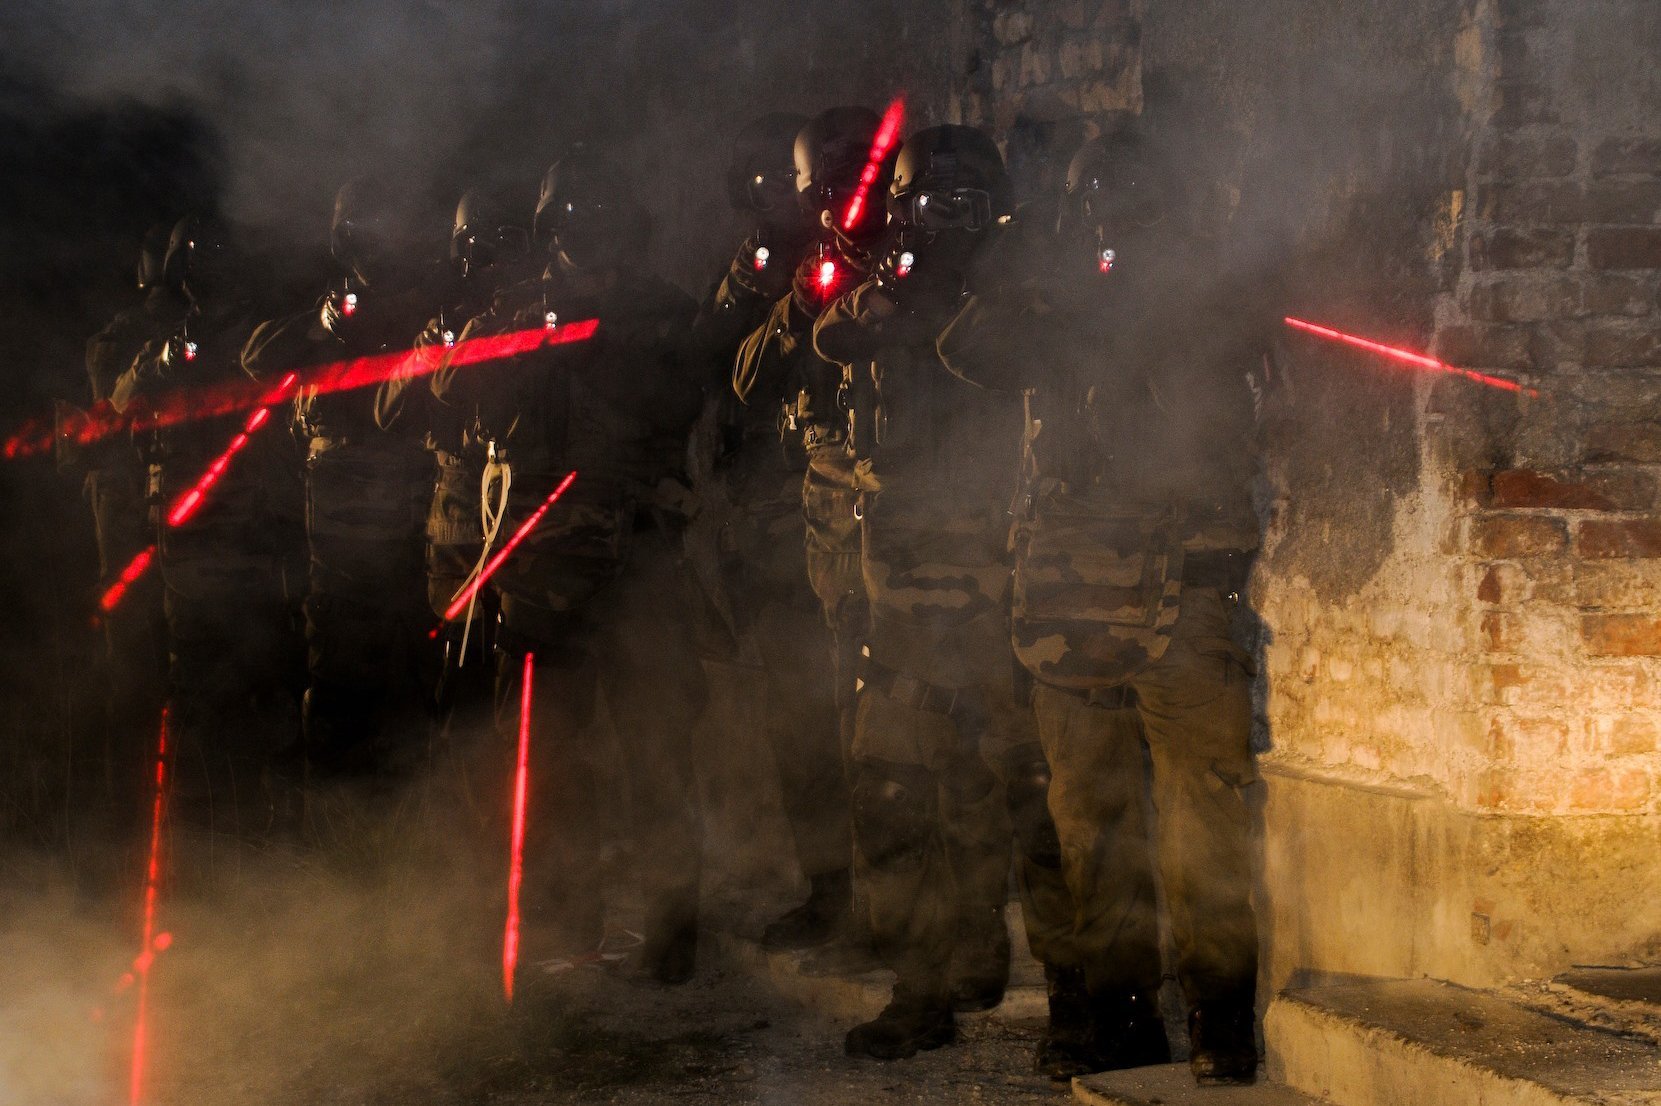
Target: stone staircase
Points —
{"points": [[1587, 1038]]}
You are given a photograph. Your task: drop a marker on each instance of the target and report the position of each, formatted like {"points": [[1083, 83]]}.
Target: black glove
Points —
{"points": [[917, 280], [760, 270]]}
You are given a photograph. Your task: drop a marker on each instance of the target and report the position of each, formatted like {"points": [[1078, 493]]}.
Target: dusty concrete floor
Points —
{"points": [[369, 976], [728, 1039], [250, 1016]]}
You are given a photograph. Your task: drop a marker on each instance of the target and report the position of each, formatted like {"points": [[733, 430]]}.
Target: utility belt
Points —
{"points": [[451, 459], [909, 690], [1118, 697], [796, 417]]}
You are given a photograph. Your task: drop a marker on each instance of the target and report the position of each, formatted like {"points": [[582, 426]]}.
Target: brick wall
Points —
{"points": [[1043, 75], [1559, 526], [1460, 587]]}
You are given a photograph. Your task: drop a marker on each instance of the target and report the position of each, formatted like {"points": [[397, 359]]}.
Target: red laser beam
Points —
{"points": [[466, 594], [235, 396], [152, 941], [341, 376], [1407, 356], [888, 136], [129, 575], [516, 842], [186, 506]]}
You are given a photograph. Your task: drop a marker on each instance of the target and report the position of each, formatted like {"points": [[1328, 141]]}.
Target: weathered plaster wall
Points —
{"points": [[1459, 584]]}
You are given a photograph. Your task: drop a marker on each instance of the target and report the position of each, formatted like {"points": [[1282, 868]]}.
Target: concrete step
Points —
{"points": [[1173, 1085], [1621, 1000], [1392, 1042]]}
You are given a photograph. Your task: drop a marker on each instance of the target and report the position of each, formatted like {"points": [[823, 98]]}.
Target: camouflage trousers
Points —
{"points": [[834, 574], [1190, 713], [595, 631], [938, 719], [232, 660], [366, 503], [134, 632], [798, 665]]}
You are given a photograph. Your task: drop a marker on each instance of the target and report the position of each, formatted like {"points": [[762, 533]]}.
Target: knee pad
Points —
{"points": [[1028, 792], [894, 812]]}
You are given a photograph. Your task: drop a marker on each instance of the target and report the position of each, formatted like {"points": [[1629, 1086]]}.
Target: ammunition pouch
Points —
{"points": [[1096, 589]]}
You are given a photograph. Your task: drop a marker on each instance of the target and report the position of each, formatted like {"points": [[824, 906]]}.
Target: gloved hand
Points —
{"points": [[175, 353], [819, 279], [918, 280], [759, 270]]}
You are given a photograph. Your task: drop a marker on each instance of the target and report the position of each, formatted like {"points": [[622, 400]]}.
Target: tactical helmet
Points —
{"points": [[374, 229], [761, 176], [950, 176], [582, 212], [152, 257], [1114, 182], [203, 256], [831, 152], [487, 230]]}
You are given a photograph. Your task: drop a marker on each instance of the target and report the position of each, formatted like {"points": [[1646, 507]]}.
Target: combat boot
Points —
{"points": [[1223, 1043], [1127, 1030], [828, 908], [909, 1024], [852, 951], [1068, 1045], [980, 961], [670, 953]]}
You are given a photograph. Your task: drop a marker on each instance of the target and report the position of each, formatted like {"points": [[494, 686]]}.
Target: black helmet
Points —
{"points": [[375, 229], [831, 152], [152, 257], [204, 257], [1114, 183], [488, 229], [583, 211], [950, 176], [761, 176]]}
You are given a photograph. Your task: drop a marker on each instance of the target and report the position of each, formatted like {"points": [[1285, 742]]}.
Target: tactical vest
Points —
{"points": [[1098, 571]]}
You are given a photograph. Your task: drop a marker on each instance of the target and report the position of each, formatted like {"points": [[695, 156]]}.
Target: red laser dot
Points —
{"points": [[516, 842]]}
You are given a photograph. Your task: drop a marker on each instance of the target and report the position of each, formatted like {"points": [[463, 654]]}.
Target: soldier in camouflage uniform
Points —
{"points": [[489, 254], [225, 571], [1132, 535], [366, 490], [789, 397], [134, 633], [938, 709], [595, 595]]}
